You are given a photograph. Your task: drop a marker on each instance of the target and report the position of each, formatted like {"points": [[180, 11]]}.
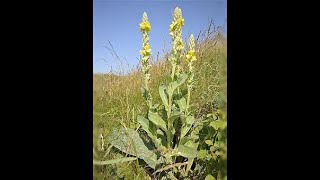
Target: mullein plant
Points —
{"points": [[175, 31], [162, 124], [145, 27]]}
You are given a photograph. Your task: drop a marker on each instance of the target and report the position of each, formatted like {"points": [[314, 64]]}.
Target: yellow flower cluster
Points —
{"points": [[191, 54], [179, 45], [176, 24], [146, 51], [145, 26]]}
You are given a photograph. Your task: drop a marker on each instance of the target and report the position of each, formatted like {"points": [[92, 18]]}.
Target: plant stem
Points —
{"points": [[169, 135], [173, 71], [189, 86], [169, 139], [188, 100], [147, 89]]}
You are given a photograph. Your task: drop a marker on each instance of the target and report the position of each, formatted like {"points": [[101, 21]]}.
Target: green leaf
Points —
{"points": [[190, 143], [209, 177], [129, 141], [182, 103], [186, 151], [159, 132], [184, 140], [171, 176], [212, 148], [187, 126], [215, 124], [184, 130], [202, 154], [174, 85], [163, 141], [145, 126], [209, 142], [196, 131], [157, 120], [114, 161], [190, 120], [163, 96], [173, 118]]}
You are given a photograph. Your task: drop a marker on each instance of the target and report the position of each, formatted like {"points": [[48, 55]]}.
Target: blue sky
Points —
{"points": [[118, 21]]}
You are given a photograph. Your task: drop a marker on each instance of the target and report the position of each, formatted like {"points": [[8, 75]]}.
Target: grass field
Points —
{"points": [[117, 100]]}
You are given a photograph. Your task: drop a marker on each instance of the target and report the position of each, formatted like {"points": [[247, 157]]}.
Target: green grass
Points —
{"points": [[117, 99]]}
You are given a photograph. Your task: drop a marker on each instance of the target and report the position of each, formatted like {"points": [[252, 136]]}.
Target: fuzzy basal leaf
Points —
{"points": [[187, 126], [129, 141]]}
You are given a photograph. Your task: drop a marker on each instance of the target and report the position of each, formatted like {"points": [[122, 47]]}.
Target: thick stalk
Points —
{"points": [[169, 139], [188, 100], [189, 86], [170, 124], [148, 93], [173, 71]]}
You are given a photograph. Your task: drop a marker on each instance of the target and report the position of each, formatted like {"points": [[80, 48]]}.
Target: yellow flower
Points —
{"points": [[171, 28], [180, 45], [176, 24], [146, 51], [191, 56], [145, 26], [181, 21]]}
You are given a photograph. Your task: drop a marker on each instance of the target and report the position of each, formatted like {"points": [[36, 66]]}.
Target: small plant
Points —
{"points": [[170, 139]]}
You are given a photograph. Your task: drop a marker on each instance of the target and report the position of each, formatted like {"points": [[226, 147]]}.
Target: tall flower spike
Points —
{"points": [[145, 52], [190, 58], [175, 30]]}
